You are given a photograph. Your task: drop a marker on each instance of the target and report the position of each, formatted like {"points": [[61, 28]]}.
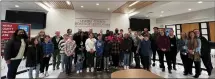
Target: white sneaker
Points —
{"points": [[92, 69], [125, 67], [46, 74], [42, 75], [88, 69], [77, 71], [80, 71]]}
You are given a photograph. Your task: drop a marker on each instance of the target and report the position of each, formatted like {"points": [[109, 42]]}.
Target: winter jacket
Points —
{"points": [[126, 45], [12, 48], [205, 46], [99, 47], [163, 43], [182, 46], [70, 46], [48, 48], [55, 42], [34, 55], [145, 48], [107, 48]]}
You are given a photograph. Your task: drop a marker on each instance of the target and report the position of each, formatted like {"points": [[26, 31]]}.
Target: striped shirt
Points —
{"points": [[61, 46]]}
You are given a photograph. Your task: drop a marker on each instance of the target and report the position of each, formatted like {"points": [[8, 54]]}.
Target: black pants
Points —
{"points": [[168, 59], [137, 59], [115, 59], [56, 59], [173, 54], [90, 60], [184, 59], [98, 62], [45, 64], [154, 50], [207, 62], [145, 60], [12, 68], [197, 66]]}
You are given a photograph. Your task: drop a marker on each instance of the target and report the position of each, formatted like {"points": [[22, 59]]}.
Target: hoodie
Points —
{"points": [[48, 48], [99, 47]]}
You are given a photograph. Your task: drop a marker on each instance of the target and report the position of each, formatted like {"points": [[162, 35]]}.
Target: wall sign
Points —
{"points": [[87, 22]]}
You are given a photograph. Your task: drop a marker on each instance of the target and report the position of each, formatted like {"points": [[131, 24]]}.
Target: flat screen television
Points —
{"points": [[36, 19], [139, 24]]}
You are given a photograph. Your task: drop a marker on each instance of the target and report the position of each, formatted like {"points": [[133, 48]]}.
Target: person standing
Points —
{"points": [[163, 43], [15, 50], [34, 57], [99, 52], [70, 46], [134, 49], [153, 39], [194, 55], [80, 52], [115, 50], [48, 49], [106, 54], [145, 52], [61, 47], [182, 47], [126, 48], [173, 48], [91, 49], [205, 52], [56, 55], [116, 31]]}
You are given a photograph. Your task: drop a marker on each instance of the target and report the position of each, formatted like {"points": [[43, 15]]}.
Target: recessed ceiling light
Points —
{"points": [[133, 3], [200, 2], [108, 8], [162, 11], [17, 6], [0, 0], [161, 15], [82, 6], [97, 3], [68, 2], [189, 9], [147, 16]]}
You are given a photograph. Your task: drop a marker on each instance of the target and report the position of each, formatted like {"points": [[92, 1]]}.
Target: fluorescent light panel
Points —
{"points": [[47, 4], [43, 6], [68, 2], [133, 3]]}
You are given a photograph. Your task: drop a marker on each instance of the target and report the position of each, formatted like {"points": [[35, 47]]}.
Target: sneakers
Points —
{"points": [[153, 64], [88, 69], [92, 69], [42, 75], [80, 71], [77, 71], [46, 74], [125, 67]]}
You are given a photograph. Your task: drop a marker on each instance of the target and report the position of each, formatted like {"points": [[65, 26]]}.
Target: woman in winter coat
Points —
{"points": [[34, 57]]}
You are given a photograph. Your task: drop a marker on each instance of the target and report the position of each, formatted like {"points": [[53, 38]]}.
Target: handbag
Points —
{"points": [[197, 56]]}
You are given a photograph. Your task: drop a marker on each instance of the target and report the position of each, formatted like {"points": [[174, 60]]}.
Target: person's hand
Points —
{"points": [[8, 61], [164, 49], [136, 52]]}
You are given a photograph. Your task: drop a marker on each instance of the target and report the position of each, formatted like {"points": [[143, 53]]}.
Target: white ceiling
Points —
{"points": [[174, 8], [102, 7]]}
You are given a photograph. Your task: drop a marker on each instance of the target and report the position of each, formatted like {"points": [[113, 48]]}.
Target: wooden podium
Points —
{"points": [[134, 73]]}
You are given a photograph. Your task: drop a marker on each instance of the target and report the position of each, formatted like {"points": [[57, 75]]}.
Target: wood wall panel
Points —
{"points": [[212, 31], [189, 27], [59, 4]]}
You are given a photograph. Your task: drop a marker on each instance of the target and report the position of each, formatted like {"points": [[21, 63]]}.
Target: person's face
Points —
{"points": [[129, 30], [197, 33], [65, 37], [57, 33], [79, 30], [162, 33], [91, 35], [99, 37], [35, 42], [42, 33], [107, 32], [135, 33], [69, 31], [146, 38], [91, 30], [101, 31], [116, 30], [145, 29], [121, 31], [126, 35], [171, 32], [183, 35], [155, 30], [120, 35], [47, 39], [20, 32], [192, 35]]}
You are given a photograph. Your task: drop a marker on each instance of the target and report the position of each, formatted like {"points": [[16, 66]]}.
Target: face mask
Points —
{"points": [[21, 35]]}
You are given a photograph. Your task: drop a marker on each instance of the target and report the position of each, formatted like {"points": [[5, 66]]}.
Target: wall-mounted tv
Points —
{"points": [[139, 24], [36, 19]]}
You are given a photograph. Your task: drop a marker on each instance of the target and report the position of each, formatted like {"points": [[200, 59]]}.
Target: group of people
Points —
{"points": [[99, 51]]}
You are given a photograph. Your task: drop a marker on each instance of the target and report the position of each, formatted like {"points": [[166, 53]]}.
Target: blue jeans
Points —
{"points": [[37, 71], [126, 59], [79, 64], [63, 61], [68, 62]]}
